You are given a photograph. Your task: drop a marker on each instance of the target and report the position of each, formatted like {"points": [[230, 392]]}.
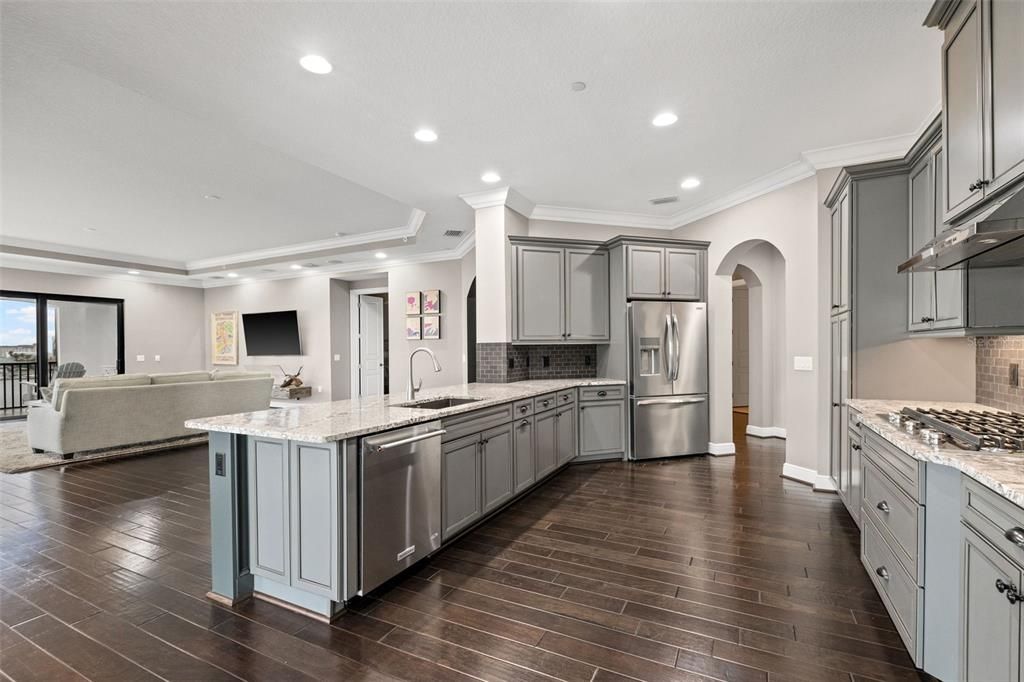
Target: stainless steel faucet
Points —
{"points": [[410, 394]]}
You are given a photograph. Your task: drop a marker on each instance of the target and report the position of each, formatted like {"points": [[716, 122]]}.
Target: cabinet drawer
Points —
{"points": [[567, 397], [544, 402], [996, 519], [898, 590], [897, 516], [475, 422], [602, 393], [523, 408], [907, 472]]}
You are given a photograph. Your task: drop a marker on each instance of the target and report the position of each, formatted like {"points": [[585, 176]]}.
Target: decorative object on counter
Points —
{"points": [[412, 328], [224, 337], [291, 380], [291, 392], [432, 302], [431, 328], [412, 303]]}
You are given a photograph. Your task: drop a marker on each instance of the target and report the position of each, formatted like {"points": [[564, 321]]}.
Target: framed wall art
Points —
{"points": [[432, 327], [412, 328], [412, 303], [224, 338], [432, 302]]}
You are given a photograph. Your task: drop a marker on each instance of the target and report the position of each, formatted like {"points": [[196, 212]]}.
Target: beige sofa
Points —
{"points": [[93, 413]]}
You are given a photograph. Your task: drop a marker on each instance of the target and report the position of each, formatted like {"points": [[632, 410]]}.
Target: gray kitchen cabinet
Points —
{"points": [[840, 393], [565, 438], [559, 291], [665, 272], [841, 244], [315, 514], [586, 280], [982, 100], [497, 452], [540, 293], [602, 428], [523, 447], [854, 475], [269, 509], [989, 623], [545, 443], [460, 483]]}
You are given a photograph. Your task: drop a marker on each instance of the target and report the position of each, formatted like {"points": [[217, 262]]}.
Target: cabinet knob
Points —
{"points": [[525, 422], [882, 572], [523, 408], [927, 319], [601, 394], [883, 507], [1016, 536], [1010, 590], [568, 335], [854, 446]]}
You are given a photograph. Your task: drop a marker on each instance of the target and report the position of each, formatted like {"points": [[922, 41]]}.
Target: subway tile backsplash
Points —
{"points": [[995, 354], [506, 362]]}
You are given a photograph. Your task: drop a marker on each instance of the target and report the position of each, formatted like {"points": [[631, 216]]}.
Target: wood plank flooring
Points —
{"points": [[693, 569]]}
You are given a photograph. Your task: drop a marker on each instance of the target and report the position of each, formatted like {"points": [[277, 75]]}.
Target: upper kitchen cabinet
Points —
{"points": [[982, 99], [665, 269], [559, 292], [841, 242]]}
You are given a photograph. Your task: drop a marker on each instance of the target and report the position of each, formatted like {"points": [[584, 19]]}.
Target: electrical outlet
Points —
{"points": [[156, 358], [219, 465], [803, 363], [140, 358], [319, 389], [337, 358]]}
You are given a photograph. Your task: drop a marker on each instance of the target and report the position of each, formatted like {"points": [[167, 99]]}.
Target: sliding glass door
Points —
{"points": [[47, 336]]}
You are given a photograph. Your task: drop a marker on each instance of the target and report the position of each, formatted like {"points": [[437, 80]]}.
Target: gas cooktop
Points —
{"points": [[1001, 432]]}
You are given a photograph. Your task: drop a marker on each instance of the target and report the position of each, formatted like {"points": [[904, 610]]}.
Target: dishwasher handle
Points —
{"points": [[410, 439]]}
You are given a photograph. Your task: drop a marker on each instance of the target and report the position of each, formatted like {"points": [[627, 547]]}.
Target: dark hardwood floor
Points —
{"points": [[691, 569]]}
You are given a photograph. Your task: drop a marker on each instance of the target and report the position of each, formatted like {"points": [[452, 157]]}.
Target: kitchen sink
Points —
{"points": [[438, 403]]}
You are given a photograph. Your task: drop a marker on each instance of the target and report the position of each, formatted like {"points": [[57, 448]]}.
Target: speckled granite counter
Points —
{"points": [[328, 422], [1002, 473]]}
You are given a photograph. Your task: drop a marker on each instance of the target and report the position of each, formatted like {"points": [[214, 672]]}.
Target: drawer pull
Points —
{"points": [[601, 394], [525, 422], [883, 506], [565, 397], [1016, 536], [545, 403], [854, 446], [524, 408], [1010, 590], [882, 572]]}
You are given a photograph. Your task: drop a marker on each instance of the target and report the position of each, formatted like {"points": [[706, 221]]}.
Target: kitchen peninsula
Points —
{"points": [[314, 505]]}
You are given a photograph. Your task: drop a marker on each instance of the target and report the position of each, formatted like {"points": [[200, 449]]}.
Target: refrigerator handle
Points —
{"points": [[670, 401], [675, 345], [670, 349]]}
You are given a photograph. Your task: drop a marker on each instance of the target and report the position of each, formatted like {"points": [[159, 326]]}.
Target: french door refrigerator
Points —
{"points": [[668, 352]]}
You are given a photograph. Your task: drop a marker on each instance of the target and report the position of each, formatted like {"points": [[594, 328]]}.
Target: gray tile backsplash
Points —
{"points": [[506, 362], [995, 354]]}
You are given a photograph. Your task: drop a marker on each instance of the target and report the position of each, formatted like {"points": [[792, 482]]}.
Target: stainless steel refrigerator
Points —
{"points": [[668, 366]]}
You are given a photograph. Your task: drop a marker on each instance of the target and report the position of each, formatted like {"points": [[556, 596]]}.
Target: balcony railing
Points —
{"points": [[12, 392]]}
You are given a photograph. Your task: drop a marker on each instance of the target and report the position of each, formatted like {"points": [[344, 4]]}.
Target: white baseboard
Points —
{"points": [[824, 484], [719, 449], [766, 431], [809, 477]]}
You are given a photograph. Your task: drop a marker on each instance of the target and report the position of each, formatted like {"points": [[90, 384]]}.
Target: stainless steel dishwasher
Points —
{"points": [[400, 501]]}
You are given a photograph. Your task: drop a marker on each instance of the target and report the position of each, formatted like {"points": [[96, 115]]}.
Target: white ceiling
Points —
{"points": [[121, 116]]}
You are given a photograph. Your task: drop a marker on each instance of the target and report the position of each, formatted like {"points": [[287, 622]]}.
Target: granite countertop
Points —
{"points": [[328, 422], [1001, 473]]}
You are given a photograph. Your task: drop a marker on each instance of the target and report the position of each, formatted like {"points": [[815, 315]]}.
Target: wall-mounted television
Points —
{"points": [[271, 333]]}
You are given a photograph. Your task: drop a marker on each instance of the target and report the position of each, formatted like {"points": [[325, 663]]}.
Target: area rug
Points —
{"points": [[17, 456]]}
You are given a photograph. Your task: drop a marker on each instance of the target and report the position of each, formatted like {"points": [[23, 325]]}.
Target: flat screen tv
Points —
{"points": [[271, 333]]}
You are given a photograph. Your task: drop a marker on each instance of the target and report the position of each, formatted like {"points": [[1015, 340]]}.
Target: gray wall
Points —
{"points": [[158, 319], [341, 348]]}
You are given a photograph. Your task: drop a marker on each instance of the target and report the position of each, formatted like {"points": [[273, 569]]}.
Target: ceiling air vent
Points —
{"points": [[453, 233], [310, 265], [658, 201]]}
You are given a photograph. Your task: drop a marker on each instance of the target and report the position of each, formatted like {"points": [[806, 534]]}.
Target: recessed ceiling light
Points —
{"points": [[490, 176], [314, 63], [134, 272], [578, 86], [212, 197], [666, 118], [232, 275], [295, 266], [380, 254], [690, 183], [425, 135]]}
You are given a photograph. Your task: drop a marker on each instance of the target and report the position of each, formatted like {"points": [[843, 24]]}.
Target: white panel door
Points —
{"points": [[371, 345]]}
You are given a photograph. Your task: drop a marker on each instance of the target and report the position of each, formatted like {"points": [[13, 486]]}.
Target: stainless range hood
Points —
{"points": [[993, 239]]}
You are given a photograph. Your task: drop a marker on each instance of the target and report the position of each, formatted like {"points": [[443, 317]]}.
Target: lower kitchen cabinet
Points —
{"points": [[565, 438], [602, 428], [269, 536], [523, 449], [545, 443], [460, 484], [990, 618], [496, 448]]}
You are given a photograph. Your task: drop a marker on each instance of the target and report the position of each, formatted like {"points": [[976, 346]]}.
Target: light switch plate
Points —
{"points": [[337, 358], [803, 363], [156, 358], [140, 358]]}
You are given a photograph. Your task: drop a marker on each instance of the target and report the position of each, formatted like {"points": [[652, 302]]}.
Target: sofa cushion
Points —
{"points": [[179, 377], [60, 386], [223, 374]]}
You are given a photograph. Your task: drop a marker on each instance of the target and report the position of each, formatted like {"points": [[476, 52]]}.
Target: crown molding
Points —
{"points": [[502, 196], [882, 149], [564, 214], [16, 261], [13, 246]]}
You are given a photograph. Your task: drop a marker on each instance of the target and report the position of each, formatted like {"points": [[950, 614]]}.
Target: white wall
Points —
{"points": [[158, 319], [467, 271], [449, 349], [341, 376], [493, 262], [310, 296]]}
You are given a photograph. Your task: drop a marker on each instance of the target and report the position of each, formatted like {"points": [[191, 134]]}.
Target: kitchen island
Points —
{"points": [[942, 539], [314, 505]]}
